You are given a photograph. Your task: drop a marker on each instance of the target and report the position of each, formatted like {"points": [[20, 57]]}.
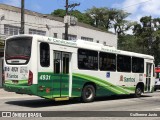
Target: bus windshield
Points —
{"points": [[18, 50]]}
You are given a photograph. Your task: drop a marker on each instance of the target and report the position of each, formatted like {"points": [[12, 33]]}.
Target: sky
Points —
{"points": [[137, 8]]}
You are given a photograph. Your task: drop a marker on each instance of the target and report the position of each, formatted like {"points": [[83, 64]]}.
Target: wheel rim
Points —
{"points": [[89, 93], [139, 91]]}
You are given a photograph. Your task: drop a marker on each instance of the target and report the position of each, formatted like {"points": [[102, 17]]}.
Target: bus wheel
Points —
{"points": [[88, 93], [138, 91], [155, 89]]}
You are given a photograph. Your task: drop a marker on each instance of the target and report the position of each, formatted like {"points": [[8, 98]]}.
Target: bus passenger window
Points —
{"points": [[137, 65], [123, 63], [87, 59], [44, 54], [107, 61]]}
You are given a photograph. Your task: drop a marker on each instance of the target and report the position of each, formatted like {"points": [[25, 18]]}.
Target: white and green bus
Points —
{"points": [[61, 69]]}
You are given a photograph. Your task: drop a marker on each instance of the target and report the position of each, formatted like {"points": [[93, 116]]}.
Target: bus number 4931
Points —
{"points": [[45, 77]]}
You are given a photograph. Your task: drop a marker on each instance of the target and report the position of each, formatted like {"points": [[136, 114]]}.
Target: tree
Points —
{"points": [[59, 13], [82, 17], [120, 24], [143, 33], [127, 42], [100, 16], [147, 34], [156, 46], [105, 18]]}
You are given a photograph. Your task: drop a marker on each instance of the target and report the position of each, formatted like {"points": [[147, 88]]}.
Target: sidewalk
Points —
{"points": [[4, 94]]}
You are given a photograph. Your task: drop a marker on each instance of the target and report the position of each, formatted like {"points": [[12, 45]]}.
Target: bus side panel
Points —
{"points": [[49, 85], [45, 84], [78, 84], [103, 88]]}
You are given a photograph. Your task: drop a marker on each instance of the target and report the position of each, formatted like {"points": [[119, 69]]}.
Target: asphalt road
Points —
{"points": [[148, 102]]}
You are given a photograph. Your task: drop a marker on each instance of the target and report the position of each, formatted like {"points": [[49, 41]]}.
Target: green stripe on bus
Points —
{"points": [[101, 82], [20, 82]]}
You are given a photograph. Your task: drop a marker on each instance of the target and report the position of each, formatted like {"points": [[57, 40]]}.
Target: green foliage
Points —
{"points": [[127, 42], [99, 16], [147, 33], [59, 13], [120, 25], [105, 18], [102, 18], [155, 49], [82, 17]]}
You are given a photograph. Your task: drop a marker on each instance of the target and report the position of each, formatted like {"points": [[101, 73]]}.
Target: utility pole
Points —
{"points": [[66, 24], [22, 17], [150, 38]]}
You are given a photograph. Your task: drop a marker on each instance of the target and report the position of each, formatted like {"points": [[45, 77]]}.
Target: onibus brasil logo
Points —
{"points": [[21, 114]]}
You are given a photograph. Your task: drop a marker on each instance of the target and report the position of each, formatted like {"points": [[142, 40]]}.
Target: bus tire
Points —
{"points": [[155, 89], [88, 93], [138, 92]]}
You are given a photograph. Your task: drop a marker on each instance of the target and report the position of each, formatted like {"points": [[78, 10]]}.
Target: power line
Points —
{"points": [[135, 4]]}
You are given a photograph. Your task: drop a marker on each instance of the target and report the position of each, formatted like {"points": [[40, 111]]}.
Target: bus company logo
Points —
{"points": [[11, 76], [121, 78], [129, 79], [126, 79]]}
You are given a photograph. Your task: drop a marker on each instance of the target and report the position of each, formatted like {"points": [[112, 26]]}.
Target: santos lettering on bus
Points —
{"points": [[129, 79], [12, 76]]}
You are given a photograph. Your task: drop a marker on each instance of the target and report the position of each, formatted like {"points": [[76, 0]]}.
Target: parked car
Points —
{"points": [[157, 80]]}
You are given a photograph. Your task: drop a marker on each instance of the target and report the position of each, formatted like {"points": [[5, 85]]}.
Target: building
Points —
{"points": [[36, 23]]}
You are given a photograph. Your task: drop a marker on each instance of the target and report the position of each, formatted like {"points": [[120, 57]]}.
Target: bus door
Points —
{"points": [[61, 74], [148, 76]]}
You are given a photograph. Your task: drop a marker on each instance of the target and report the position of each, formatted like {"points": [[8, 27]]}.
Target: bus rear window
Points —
{"points": [[18, 50]]}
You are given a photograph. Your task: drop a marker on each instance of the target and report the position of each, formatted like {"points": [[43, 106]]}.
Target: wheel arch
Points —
{"points": [[91, 83]]}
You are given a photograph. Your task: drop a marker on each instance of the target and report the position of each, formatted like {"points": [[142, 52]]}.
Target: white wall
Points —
{"points": [[39, 23]]}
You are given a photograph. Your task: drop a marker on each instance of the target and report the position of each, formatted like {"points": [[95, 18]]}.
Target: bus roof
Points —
{"points": [[84, 44]]}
